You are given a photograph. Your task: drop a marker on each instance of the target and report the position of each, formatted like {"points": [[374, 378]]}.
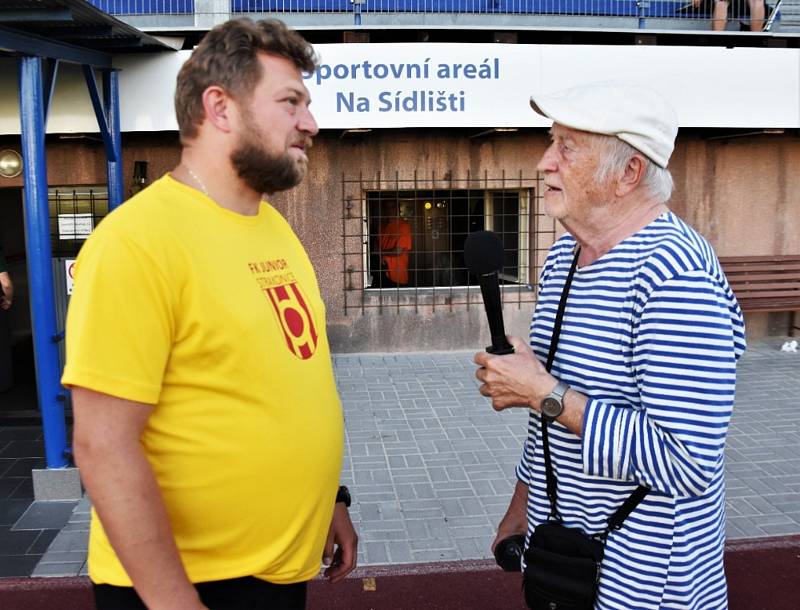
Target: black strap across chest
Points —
{"points": [[616, 520]]}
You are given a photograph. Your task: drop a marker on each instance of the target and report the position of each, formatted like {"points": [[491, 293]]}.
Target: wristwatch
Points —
{"points": [[343, 495], [553, 404]]}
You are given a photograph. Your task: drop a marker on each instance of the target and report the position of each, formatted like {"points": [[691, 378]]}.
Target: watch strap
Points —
{"points": [[559, 391], [343, 496]]}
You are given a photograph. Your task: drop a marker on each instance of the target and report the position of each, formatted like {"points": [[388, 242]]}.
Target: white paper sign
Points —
{"points": [[75, 226]]}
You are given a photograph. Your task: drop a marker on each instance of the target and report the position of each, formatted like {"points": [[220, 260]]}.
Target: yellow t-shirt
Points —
{"points": [[215, 318]]}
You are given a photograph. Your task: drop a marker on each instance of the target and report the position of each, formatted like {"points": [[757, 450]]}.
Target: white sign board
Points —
{"points": [[75, 226], [488, 85], [69, 270], [460, 85], [470, 85]]}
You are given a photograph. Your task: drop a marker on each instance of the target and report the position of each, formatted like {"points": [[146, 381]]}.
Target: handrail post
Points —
{"points": [[641, 6], [357, 11]]}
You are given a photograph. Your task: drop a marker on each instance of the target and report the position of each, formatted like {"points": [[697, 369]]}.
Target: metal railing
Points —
{"points": [[665, 14], [145, 7]]}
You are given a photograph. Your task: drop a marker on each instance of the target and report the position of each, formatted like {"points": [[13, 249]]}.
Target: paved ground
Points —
{"points": [[431, 465], [22, 546]]}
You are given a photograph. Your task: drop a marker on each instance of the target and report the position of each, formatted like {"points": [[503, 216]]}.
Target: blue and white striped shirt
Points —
{"points": [[651, 334]]}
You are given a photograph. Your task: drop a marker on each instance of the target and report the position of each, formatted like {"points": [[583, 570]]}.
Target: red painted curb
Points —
{"points": [[763, 574], [46, 594]]}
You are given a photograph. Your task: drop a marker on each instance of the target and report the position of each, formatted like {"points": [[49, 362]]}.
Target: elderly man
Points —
{"points": [[208, 428], [641, 387]]}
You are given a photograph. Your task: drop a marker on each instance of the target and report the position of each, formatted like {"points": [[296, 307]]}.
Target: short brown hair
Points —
{"points": [[227, 57]]}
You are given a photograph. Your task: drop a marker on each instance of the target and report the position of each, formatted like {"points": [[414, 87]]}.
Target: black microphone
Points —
{"points": [[483, 253]]}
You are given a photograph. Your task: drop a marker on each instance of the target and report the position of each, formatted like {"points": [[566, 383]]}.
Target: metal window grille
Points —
{"points": [[74, 213], [403, 238]]}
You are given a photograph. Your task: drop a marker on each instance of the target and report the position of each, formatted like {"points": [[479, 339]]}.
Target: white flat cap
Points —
{"points": [[632, 112]]}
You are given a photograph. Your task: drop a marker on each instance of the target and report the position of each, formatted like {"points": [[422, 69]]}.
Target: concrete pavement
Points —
{"points": [[431, 465]]}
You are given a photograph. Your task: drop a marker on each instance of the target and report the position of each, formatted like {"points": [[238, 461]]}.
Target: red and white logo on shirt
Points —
{"points": [[295, 317]]}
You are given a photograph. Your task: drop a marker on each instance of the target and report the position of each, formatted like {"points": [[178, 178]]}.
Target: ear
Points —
{"points": [[632, 176], [217, 107]]}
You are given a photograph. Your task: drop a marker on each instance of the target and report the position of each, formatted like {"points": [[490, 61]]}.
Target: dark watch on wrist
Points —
{"points": [[343, 495], [553, 404]]}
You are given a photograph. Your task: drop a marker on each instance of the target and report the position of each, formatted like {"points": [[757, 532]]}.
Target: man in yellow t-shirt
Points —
{"points": [[208, 430]]}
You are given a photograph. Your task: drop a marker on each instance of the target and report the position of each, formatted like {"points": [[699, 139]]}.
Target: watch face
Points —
{"points": [[551, 407]]}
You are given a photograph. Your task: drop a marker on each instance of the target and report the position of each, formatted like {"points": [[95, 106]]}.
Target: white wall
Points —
{"points": [[709, 86]]}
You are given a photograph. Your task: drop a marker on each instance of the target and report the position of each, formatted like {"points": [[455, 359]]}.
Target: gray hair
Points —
{"points": [[657, 180]]}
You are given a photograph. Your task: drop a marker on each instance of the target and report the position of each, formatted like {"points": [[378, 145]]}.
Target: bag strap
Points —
{"points": [[552, 489], [614, 521]]}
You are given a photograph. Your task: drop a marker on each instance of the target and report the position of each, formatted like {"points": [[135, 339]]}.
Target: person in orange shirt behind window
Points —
{"points": [[395, 242]]}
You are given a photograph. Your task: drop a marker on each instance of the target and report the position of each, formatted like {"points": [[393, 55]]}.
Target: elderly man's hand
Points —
{"points": [[513, 380]]}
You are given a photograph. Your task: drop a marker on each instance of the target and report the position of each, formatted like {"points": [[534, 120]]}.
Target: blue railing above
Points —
{"points": [[643, 9], [145, 7], [621, 8]]}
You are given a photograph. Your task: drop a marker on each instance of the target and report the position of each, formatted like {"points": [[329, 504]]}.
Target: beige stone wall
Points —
{"points": [[741, 193]]}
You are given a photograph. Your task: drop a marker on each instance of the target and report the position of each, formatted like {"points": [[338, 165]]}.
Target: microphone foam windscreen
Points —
{"points": [[483, 252]]}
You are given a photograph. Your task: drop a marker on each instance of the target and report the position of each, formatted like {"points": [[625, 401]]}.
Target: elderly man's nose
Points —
{"points": [[548, 161]]}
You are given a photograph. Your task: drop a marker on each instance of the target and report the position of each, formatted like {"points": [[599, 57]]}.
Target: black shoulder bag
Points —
{"points": [[562, 564]]}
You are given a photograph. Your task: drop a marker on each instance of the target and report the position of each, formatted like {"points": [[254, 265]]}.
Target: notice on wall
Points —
{"points": [[75, 226], [69, 270]]}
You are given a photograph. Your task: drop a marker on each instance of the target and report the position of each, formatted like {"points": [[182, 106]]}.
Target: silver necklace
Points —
{"points": [[197, 179]]}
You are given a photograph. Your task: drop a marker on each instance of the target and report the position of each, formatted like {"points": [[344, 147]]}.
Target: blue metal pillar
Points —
{"points": [[116, 190], [40, 266], [49, 87]]}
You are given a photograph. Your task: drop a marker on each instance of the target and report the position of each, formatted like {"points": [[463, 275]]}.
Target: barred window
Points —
{"points": [[404, 238], [416, 238]]}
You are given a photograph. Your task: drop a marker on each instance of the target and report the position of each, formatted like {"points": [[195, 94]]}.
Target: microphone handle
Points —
{"points": [[490, 290]]}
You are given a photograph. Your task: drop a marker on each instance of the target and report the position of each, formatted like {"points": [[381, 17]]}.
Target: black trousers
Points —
{"points": [[246, 593]]}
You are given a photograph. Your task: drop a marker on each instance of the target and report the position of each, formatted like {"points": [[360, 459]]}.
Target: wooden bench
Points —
{"points": [[765, 283]]}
